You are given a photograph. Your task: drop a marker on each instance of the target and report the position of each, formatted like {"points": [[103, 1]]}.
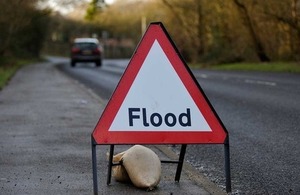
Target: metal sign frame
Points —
{"points": [[179, 163], [102, 136]]}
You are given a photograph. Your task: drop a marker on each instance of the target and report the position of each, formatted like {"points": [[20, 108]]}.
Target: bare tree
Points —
{"points": [[12, 19], [292, 20], [194, 27], [260, 51], [22, 27]]}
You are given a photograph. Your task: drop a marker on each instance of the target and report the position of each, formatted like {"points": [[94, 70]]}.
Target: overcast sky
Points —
{"points": [[66, 6]]}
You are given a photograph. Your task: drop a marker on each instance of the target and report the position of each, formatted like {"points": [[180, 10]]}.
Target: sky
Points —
{"points": [[56, 5], [109, 1]]}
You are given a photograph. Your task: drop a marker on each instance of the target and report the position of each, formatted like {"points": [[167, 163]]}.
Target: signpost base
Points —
{"points": [[179, 163]]}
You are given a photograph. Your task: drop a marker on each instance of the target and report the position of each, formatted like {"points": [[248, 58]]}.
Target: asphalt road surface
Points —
{"points": [[261, 111]]}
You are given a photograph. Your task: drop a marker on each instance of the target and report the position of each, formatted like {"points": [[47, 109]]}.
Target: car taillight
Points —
{"points": [[96, 51], [75, 50]]}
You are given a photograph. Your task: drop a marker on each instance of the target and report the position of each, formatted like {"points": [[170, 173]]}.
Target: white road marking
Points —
{"points": [[258, 82], [202, 76]]}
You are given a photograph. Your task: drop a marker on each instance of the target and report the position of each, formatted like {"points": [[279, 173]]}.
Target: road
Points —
{"points": [[260, 111]]}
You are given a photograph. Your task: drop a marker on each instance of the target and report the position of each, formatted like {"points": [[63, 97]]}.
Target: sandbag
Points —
{"points": [[143, 166], [119, 172]]}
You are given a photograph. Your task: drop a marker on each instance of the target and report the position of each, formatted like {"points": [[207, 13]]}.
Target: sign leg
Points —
{"points": [[227, 167], [94, 164], [110, 163], [180, 162]]}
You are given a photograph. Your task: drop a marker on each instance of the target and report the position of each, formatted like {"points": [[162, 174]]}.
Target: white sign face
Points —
{"points": [[158, 100]]}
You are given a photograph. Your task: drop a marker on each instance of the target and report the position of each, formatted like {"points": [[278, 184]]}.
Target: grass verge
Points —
{"points": [[9, 66], [293, 67]]}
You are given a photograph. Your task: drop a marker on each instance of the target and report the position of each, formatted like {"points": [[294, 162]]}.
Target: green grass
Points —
{"points": [[293, 67], [9, 66]]}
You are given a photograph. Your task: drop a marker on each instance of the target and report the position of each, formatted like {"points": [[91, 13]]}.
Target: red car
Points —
{"points": [[86, 50]]}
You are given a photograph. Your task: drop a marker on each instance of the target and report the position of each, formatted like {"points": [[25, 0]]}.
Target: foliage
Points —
{"points": [[22, 28], [63, 30], [214, 31], [91, 10]]}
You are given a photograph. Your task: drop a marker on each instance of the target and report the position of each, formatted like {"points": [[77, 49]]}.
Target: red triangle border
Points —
{"points": [[101, 133]]}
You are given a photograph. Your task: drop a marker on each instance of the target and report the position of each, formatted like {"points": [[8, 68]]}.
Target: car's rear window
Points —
{"points": [[85, 45]]}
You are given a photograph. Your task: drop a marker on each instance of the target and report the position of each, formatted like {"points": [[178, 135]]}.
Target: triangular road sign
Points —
{"points": [[158, 100]]}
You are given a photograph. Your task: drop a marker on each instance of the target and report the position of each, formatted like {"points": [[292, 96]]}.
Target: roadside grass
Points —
{"points": [[292, 67], [9, 66]]}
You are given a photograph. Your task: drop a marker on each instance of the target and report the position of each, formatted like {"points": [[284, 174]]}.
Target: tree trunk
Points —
{"points": [[259, 49], [296, 22], [200, 28]]}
